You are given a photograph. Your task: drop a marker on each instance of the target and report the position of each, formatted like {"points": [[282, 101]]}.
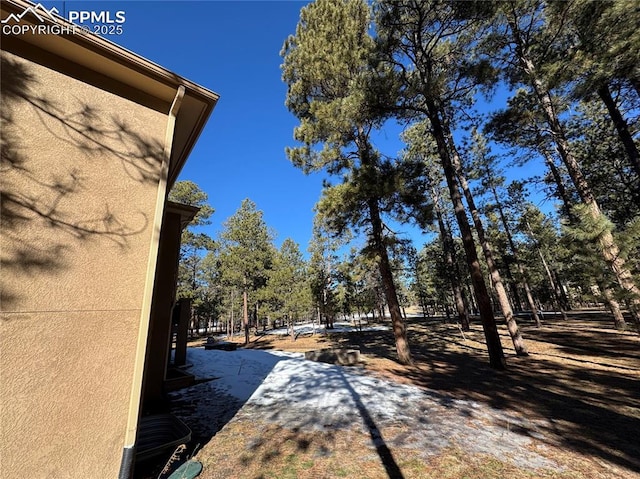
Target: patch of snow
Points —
{"points": [[338, 327], [286, 389]]}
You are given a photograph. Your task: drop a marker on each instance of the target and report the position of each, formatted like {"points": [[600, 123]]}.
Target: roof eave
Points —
{"points": [[113, 61]]}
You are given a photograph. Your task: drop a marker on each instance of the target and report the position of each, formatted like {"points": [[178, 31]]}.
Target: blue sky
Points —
{"points": [[232, 48]]}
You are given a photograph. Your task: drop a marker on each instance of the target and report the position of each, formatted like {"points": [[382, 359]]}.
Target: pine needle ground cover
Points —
{"points": [[570, 410]]}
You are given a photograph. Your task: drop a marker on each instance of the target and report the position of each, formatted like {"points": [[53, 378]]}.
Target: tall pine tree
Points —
{"points": [[246, 254], [327, 69]]}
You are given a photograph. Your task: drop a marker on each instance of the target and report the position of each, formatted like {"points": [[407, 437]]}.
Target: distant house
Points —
{"points": [[93, 137]]}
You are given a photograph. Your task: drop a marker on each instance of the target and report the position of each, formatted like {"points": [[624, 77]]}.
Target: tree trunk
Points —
{"points": [[454, 273], [501, 292], [232, 326], [447, 312], [245, 315], [473, 306], [622, 128], [494, 346], [421, 299], [562, 193], [513, 287], [461, 306], [291, 328], [514, 250], [530, 300], [608, 247], [459, 292], [564, 299], [614, 307], [561, 299], [398, 324], [255, 319]]}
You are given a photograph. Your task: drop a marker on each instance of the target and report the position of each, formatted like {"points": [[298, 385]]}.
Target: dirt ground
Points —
{"points": [[580, 385]]}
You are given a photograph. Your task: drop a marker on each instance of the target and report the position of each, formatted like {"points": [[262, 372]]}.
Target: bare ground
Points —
{"points": [[575, 399]]}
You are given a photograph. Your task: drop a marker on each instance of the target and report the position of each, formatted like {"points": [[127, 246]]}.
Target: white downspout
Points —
{"points": [[128, 453]]}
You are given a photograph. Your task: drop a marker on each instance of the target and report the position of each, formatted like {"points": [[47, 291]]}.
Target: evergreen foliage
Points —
{"points": [[571, 122], [246, 255], [192, 281]]}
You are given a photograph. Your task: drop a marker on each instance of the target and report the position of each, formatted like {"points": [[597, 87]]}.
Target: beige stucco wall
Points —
{"points": [[80, 172], [163, 298]]}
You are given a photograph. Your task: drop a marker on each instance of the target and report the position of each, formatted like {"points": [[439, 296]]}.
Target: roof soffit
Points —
{"points": [[156, 85]]}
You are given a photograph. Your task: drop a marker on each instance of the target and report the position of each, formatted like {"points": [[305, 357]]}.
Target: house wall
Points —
{"points": [[80, 177], [158, 342]]}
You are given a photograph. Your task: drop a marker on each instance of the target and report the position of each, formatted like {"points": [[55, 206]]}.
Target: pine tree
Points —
{"points": [[419, 148], [487, 249], [327, 69], [421, 41], [602, 157], [194, 245], [322, 275], [246, 254], [491, 181], [541, 237], [598, 55], [288, 287], [521, 26]]}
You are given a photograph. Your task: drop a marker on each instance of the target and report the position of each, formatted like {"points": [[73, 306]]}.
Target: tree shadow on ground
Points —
{"points": [[552, 396], [386, 456], [589, 408], [305, 401]]}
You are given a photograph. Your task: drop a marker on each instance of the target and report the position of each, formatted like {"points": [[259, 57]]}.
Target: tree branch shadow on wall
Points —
{"points": [[31, 199]]}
